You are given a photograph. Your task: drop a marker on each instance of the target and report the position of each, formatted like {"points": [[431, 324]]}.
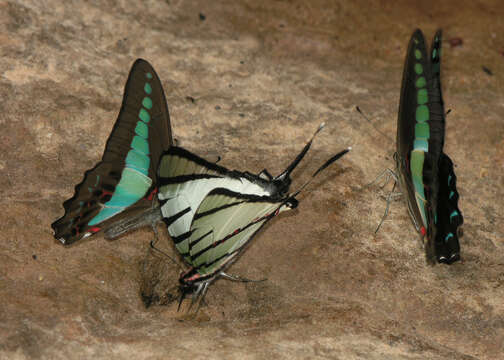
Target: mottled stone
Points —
{"points": [[265, 74]]}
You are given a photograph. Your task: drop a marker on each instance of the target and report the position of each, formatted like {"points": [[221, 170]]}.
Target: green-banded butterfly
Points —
{"points": [[425, 172], [119, 192], [212, 213]]}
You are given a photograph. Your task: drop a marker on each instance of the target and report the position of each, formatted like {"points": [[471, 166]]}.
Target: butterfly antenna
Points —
{"points": [[388, 174], [320, 169], [372, 124], [300, 156]]}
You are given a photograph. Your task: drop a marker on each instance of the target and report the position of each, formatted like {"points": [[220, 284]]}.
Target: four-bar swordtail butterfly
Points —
{"points": [[212, 213], [118, 194], [425, 172]]}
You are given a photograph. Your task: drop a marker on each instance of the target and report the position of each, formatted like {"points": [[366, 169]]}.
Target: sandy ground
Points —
{"points": [[263, 75]]}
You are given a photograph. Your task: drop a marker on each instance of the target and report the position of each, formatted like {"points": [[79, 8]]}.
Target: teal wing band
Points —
{"points": [[134, 182], [422, 129]]}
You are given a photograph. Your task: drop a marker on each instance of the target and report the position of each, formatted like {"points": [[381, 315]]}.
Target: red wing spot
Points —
{"points": [[194, 277], [236, 231], [94, 229], [105, 192], [151, 195], [423, 231], [277, 211]]}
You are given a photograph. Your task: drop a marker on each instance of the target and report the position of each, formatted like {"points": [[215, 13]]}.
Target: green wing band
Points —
{"points": [[134, 181]]}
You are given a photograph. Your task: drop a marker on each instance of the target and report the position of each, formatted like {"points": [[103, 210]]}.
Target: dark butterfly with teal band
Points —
{"points": [[121, 187], [425, 172]]}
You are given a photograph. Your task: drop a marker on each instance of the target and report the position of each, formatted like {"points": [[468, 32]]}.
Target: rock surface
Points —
{"points": [[263, 75]]}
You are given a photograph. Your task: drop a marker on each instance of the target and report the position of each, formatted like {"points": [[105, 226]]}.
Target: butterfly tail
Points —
{"points": [[320, 169], [449, 217], [286, 173]]}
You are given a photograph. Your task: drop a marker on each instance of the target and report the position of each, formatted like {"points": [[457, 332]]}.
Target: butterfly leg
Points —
{"points": [[238, 278], [202, 296], [389, 200], [198, 296], [389, 173], [153, 246], [182, 297]]}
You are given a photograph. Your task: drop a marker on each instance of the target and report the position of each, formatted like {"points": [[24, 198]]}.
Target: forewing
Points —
{"points": [[126, 174], [412, 124], [223, 224], [185, 179]]}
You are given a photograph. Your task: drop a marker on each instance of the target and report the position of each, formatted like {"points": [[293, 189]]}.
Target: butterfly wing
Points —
{"points": [[426, 172], [203, 203], [119, 185], [185, 179], [413, 128], [448, 218], [223, 224], [446, 246]]}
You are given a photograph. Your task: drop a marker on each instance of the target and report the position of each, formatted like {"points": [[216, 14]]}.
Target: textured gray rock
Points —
{"points": [[263, 75]]}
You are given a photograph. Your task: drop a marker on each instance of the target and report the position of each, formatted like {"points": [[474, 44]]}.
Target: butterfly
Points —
{"points": [[118, 194], [425, 172], [212, 213]]}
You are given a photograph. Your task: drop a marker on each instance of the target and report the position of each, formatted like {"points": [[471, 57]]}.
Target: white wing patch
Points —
{"points": [[196, 182], [233, 220], [210, 212]]}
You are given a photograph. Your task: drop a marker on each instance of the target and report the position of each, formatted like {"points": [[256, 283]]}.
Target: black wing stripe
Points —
{"points": [[171, 219], [175, 151], [185, 178], [215, 210], [196, 241], [221, 241], [180, 238], [236, 250]]}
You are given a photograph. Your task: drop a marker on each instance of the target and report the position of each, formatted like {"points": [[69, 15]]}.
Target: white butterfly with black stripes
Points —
{"points": [[211, 212]]}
